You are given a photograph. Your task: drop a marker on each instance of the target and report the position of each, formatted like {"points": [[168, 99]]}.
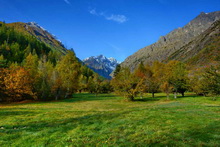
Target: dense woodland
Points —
{"points": [[30, 69]]}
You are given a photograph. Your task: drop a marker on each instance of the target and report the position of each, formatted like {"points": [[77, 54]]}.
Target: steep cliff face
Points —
{"points": [[173, 41], [203, 50]]}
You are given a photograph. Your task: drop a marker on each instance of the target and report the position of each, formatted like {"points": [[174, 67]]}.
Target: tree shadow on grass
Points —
{"points": [[14, 111], [206, 134], [61, 125], [147, 99], [90, 97]]}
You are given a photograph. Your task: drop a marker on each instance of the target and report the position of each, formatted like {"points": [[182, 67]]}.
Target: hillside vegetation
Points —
{"points": [[107, 120], [203, 51], [40, 33]]}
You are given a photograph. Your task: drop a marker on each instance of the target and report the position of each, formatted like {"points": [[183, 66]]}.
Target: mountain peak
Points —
{"points": [[34, 24], [102, 65]]}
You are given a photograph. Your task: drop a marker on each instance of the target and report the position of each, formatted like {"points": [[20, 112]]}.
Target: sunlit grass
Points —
{"points": [[108, 120]]}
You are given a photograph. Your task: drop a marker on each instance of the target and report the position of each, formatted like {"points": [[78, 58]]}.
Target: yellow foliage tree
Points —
{"points": [[18, 83]]}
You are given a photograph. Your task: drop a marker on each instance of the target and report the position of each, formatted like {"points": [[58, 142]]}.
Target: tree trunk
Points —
{"points": [[214, 98], [57, 94], [182, 94], [131, 98], [175, 95], [67, 93], [168, 97], [152, 94], [141, 95]]}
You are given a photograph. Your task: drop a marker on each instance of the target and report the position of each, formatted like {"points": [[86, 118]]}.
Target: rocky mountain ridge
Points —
{"points": [[204, 50], [102, 65], [173, 41], [40, 33]]}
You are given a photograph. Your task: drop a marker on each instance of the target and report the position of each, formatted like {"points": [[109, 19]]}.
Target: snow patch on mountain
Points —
{"points": [[34, 24], [102, 65], [41, 30]]}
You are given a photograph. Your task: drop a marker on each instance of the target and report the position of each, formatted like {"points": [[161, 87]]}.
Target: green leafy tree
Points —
{"points": [[117, 70], [177, 77], [140, 73], [148, 77], [106, 87], [126, 84], [152, 80], [69, 70], [3, 62], [211, 79], [197, 82], [43, 85], [31, 65]]}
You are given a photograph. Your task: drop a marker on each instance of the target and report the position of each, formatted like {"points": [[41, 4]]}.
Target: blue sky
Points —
{"points": [[114, 28]]}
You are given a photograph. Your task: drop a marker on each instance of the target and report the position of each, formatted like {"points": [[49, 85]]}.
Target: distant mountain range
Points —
{"points": [[102, 65], [187, 44], [197, 44]]}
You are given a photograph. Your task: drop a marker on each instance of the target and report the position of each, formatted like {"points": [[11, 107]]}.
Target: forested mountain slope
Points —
{"points": [[15, 45], [40, 33]]}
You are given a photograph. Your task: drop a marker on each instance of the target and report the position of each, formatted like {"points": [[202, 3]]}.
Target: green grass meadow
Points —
{"points": [[109, 120]]}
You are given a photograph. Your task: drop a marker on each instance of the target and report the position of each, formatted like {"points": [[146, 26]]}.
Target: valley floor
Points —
{"points": [[108, 120]]}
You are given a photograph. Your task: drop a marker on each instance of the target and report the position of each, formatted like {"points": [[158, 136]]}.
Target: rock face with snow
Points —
{"points": [[102, 65], [41, 34]]}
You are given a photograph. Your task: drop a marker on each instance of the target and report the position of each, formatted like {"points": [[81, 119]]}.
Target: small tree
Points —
{"points": [[198, 83], [176, 75], [18, 84], [69, 71], [117, 70], [212, 81], [106, 87], [148, 77], [126, 84], [167, 88], [140, 73], [97, 84]]}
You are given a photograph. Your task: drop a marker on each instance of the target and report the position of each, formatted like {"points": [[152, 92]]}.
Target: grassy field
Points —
{"points": [[107, 120]]}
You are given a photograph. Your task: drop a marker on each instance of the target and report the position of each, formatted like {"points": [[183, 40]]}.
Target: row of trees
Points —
{"points": [[172, 77], [29, 69], [40, 79]]}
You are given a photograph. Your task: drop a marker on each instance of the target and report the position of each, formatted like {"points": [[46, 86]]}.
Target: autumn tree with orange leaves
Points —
{"points": [[18, 84]]}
